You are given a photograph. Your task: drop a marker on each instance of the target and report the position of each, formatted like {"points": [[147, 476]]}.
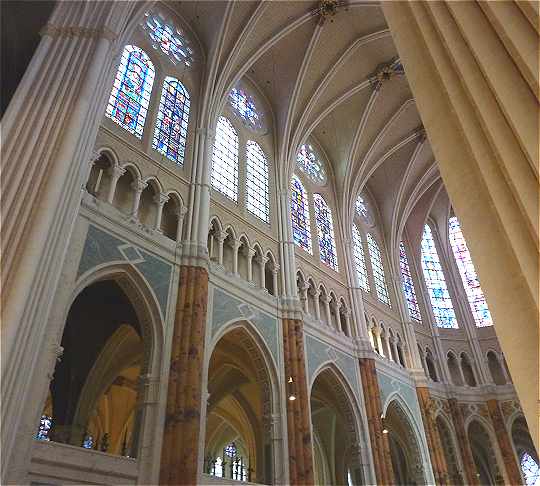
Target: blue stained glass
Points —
{"points": [[325, 230], [310, 164], [300, 215], [45, 424], [244, 106], [130, 95], [88, 442], [475, 295], [360, 260], [168, 38], [408, 285], [530, 470], [361, 207], [441, 303], [378, 270], [172, 121]]}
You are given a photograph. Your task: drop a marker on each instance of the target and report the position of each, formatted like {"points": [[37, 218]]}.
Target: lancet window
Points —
{"points": [[325, 230], [378, 270], [530, 470], [360, 260], [130, 95], [257, 202], [408, 284], [300, 215], [225, 159], [475, 296], [441, 303]]}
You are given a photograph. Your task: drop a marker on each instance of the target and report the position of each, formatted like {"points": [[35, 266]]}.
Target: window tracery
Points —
{"points": [[475, 295], [225, 159], [244, 106], [360, 260], [308, 162], [363, 211], [325, 230], [441, 303], [378, 270], [408, 284], [168, 38], [300, 215], [130, 95], [258, 201], [172, 121]]}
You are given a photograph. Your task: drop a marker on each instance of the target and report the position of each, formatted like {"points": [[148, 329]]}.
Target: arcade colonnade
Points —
{"points": [[175, 356]]}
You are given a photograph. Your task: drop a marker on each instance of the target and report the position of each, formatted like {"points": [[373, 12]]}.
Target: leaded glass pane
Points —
{"points": [[325, 231], [310, 164], [130, 95], [475, 296], [300, 215], [45, 424], [172, 121], [225, 159], [244, 106], [378, 270], [530, 470], [408, 285], [360, 260], [441, 303], [257, 182], [168, 38]]}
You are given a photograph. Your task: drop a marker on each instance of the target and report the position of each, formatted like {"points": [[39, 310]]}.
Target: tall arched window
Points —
{"points": [[325, 230], [225, 159], [257, 201], [529, 469], [172, 121], [130, 95], [408, 285], [300, 215], [378, 270], [360, 259], [443, 310], [475, 296]]}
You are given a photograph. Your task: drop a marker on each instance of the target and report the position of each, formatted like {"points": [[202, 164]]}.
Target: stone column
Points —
{"points": [[262, 263], [179, 453], [463, 443], [275, 272], [138, 187], [380, 447], [505, 442], [116, 173], [250, 253], [317, 309], [379, 341], [327, 313], [160, 200], [436, 454], [302, 294], [298, 410], [235, 246], [221, 241]]}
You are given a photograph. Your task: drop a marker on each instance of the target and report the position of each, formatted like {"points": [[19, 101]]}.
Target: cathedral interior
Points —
{"points": [[270, 242]]}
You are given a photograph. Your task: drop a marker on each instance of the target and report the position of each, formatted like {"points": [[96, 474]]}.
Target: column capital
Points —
{"points": [[117, 171], [139, 186], [161, 198]]}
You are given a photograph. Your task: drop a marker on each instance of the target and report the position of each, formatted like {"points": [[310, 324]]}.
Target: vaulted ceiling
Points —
{"points": [[319, 79]]}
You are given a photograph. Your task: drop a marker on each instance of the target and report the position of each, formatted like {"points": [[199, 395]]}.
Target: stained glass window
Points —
{"points": [[257, 201], [45, 424], [168, 38], [360, 259], [310, 164], [325, 231], [378, 270], [88, 442], [441, 302], [408, 285], [361, 207], [530, 470], [225, 159], [230, 450], [475, 296], [300, 215], [244, 106], [130, 95], [172, 121]]}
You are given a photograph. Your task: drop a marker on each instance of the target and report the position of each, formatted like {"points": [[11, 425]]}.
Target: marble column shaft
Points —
{"points": [[505, 444], [463, 442], [380, 446], [298, 419], [179, 457], [436, 454]]}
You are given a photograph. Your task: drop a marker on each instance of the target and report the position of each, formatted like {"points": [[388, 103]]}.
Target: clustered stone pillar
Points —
{"points": [[436, 454], [179, 456], [298, 419], [505, 444], [463, 442], [380, 446]]}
